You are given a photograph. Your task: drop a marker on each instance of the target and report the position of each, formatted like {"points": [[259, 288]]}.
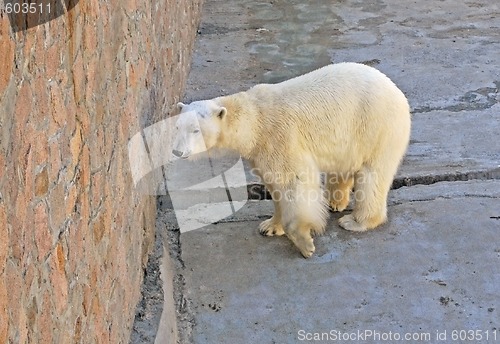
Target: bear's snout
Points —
{"points": [[177, 153]]}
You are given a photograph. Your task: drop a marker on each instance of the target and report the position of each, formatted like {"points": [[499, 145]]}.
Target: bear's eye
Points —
{"points": [[196, 131]]}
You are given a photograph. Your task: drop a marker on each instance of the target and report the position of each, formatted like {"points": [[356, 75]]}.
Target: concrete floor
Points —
{"points": [[435, 266]]}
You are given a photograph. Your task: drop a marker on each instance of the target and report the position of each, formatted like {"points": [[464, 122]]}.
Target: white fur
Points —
{"points": [[347, 120]]}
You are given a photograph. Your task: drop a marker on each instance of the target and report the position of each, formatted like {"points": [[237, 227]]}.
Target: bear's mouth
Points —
{"points": [[180, 155]]}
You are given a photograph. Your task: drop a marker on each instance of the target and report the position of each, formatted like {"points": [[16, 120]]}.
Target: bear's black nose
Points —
{"points": [[177, 153]]}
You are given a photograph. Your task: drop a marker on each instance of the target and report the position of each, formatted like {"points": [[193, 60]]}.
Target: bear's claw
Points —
{"points": [[339, 206], [270, 228]]}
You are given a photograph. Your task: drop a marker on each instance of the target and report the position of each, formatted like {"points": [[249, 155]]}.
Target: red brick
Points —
{"points": [[98, 229], [76, 255], [57, 208], [29, 174], [32, 314], [91, 75], [42, 101], [98, 317], [75, 147], [40, 148], [18, 227], [85, 168], [4, 238], [58, 279], [43, 237], [42, 182], [77, 332], [15, 289], [29, 249], [79, 80], [57, 106], [3, 165], [71, 197], [22, 327], [55, 163], [87, 298], [7, 47], [45, 320], [4, 316], [52, 61], [24, 107]]}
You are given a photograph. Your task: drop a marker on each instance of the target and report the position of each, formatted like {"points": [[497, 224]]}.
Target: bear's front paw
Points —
{"points": [[308, 249], [349, 223], [269, 227], [304, 242]]}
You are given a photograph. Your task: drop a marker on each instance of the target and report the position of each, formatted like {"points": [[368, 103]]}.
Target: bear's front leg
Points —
{"points": [[302, 218], [272, 226]]}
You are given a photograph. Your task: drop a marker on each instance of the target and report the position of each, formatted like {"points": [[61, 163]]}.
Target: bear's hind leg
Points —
{"points": [[370, 210], [338, 188]]}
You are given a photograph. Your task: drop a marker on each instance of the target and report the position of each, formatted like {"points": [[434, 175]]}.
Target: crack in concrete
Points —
{"points": [[171, 237], [481, 99], [446, 177], [430, 199], [258, 191], [150, 307]]}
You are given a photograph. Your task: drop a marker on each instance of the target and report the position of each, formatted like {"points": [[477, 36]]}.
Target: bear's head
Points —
{"points": [[198, 127]]}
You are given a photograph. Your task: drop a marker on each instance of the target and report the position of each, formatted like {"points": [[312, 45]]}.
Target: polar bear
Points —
{"points": [[346, 121]]}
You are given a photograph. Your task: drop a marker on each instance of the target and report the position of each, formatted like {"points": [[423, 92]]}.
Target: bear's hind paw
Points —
{"points": [[339, 206], [349, 223]]}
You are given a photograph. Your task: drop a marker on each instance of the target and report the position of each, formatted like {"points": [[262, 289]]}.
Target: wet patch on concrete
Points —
{"points": [[211, 29], [480, 99]]}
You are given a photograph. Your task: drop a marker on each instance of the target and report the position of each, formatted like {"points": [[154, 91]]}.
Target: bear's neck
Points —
{"points": [[239, 130]]}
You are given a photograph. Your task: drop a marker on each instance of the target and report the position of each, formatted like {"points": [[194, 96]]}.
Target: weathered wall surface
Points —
{"points": [[74, 234]]}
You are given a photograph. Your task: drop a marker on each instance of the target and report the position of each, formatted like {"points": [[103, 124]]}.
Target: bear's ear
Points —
{"points": [[222, 112], [180, 105]]}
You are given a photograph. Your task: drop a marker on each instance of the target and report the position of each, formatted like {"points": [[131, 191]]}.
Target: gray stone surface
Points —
{"points": [[435, 266]]}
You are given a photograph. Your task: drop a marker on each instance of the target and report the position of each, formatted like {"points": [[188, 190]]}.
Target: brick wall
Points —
{"points": [[74, 234]]}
